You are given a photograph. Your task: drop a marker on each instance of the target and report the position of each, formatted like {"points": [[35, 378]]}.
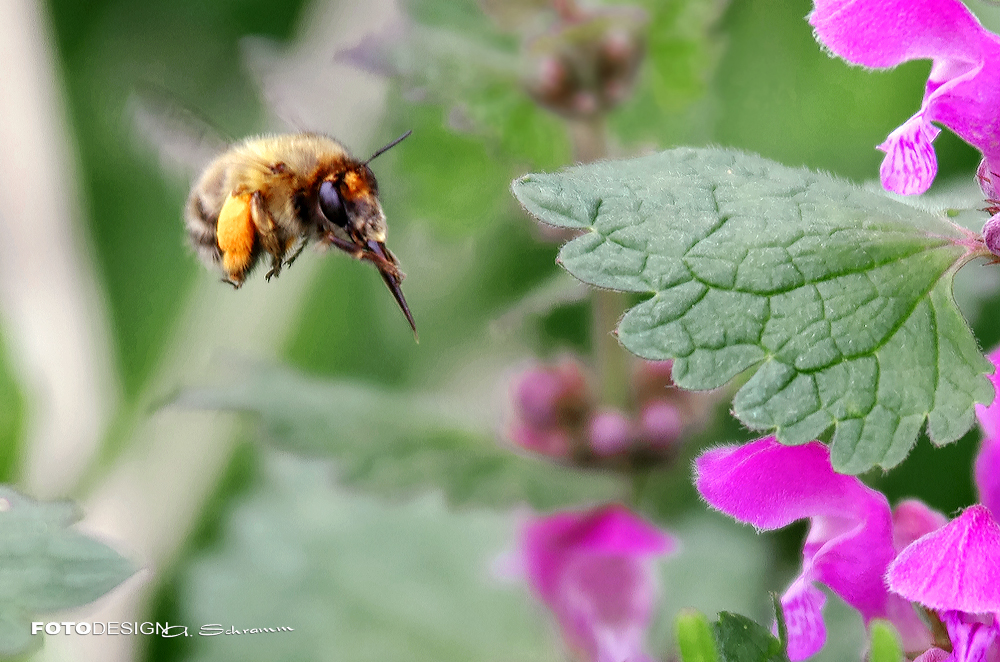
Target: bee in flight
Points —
{"points": [[275, 194]]}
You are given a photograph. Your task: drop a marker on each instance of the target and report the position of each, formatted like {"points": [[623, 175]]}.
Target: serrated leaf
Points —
{"points": [[739, 639], [358, 579], [46, 566], [839, 297], [398, 443]]}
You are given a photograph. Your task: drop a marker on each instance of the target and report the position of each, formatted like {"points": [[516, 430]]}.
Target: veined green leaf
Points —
{"points": [[740, 639], [841, 298]]}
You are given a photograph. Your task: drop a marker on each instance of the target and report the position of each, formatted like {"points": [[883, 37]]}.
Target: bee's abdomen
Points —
{"points": [[201, 227]]}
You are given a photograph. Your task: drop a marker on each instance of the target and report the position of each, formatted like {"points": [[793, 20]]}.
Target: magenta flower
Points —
{"points": [[592, 570], [962, 92], [955, 571], [987, 469], [850, 542]]}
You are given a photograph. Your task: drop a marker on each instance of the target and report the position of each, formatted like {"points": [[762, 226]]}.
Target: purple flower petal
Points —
{"points": [[962, 91], [849, 545], [802, 605], [988, 475], [933, 655], [885, 33], [591, 569], [972, 637], [912, 519], [910, 163], [988, 461], [956, 567], [770, 485]]}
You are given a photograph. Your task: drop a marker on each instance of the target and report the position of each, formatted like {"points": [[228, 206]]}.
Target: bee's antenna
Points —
{"points": [[388, 147]]}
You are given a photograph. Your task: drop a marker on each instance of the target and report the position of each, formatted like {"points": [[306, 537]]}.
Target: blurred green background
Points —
{"points": [[273, 537]]}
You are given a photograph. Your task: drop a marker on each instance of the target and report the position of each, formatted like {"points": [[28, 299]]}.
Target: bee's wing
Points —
{"points": [[184, 142]]}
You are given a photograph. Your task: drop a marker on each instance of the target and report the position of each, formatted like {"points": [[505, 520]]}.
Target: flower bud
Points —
{"points": [[552, 404], [548, 396], [660, 425], [989, 182], [587, 62], [611, 433], [991, 234], [552, 442]]}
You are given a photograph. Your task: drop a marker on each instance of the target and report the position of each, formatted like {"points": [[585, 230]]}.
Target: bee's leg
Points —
{"points": [[297, 253], [236, 236], [384, 265], [268, 233]]}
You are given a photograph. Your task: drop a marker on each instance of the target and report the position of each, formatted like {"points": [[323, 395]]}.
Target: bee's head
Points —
{"points": [[349, 202]]}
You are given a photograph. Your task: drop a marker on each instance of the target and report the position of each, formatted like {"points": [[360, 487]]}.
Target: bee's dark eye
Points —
{"points": [[331, 205]]}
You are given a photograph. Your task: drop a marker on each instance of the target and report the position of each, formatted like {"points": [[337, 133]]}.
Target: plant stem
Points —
{"points": [[590, 143], [590, 139], [610, 359]]}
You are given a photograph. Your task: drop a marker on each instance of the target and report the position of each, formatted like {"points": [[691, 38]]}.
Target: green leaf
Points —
{"points": [[452, 55], [740, 639], [13, 415], [840, 298], [46, 566], [358, 579], [694, 637], [672, 102], [398, 444], [885, 646]]}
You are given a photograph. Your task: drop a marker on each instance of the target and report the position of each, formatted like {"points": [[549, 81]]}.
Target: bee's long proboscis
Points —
{"points": [[392, 280]]}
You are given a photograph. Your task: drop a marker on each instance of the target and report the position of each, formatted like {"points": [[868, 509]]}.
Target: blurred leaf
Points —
{"points": [[46, 566], [885, 645], [358, 580], [740, 639], [694, 637], [683, 49], [840, 296], [398, 444], [449, 54], [437, 160], [12, 417]]}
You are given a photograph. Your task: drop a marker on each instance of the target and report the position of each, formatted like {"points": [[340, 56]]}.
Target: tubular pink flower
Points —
{"points": [[592, 570], [988, 461], [962, 92], [850, 541], [955, 571]]}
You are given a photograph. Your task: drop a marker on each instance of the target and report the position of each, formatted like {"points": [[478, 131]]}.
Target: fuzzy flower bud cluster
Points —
{"points": [[556, 413], [586, 64]]}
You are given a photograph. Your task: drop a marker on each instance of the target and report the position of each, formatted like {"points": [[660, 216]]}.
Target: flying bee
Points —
{"points": [[275, 194]]}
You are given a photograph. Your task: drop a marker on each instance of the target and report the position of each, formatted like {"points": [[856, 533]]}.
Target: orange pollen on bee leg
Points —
{"points": [[235, 232]]}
